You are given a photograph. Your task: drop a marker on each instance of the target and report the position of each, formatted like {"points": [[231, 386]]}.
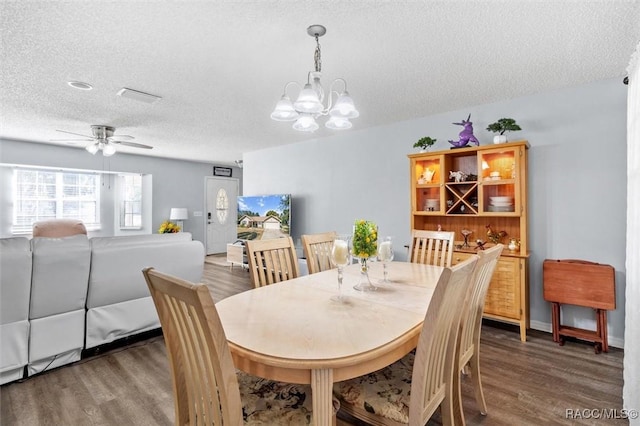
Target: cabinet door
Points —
{"points": [[503, 296], [499, 181], [427, 181]]}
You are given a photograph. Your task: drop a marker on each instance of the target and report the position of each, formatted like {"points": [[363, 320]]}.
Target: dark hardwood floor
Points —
{"points": [[532, 383]]}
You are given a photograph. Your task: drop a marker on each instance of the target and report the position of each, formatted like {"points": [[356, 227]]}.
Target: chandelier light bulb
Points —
{"points": [[308, 101], [306, 123], [284, 110], [344, 107], [337, 123]]}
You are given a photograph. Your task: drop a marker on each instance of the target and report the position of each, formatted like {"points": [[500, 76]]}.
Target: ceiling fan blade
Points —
{"points": [[71, 140], [133, 144], [126, 137], [77, 134]]}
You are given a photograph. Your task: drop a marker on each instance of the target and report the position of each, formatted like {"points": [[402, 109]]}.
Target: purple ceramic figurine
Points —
{"points": [[466, 135]]}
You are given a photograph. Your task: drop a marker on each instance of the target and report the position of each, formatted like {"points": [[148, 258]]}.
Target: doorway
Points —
{"points": [[222, 213]]}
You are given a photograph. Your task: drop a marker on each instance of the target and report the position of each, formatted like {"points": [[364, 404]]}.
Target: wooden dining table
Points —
{"points": [[295, 332]]}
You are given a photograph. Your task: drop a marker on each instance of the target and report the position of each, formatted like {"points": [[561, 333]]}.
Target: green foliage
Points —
{"points": [[365, 239], [503, 125], [424, 143], [273, 213]]}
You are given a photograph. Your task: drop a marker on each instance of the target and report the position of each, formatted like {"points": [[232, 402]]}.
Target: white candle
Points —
{"points": [[384, 251], [340, 252]]}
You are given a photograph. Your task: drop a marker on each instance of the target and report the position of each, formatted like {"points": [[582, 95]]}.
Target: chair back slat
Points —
{"points": [[272, 261], [435, 362], [317, 251], [472, 319], [431, 247], [205, 385]]}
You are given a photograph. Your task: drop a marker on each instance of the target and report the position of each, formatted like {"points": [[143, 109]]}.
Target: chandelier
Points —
{"points": [[309, 104]]}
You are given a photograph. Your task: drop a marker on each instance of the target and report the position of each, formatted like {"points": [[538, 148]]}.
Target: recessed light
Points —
{"points": [[80, 85]]}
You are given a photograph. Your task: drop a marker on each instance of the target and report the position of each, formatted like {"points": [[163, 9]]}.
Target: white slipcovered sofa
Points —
{"points": [[62, 295], [15, 290]]}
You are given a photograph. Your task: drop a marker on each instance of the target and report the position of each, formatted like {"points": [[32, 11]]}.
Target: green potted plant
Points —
{"points": [[500, 127], [424, 143]]}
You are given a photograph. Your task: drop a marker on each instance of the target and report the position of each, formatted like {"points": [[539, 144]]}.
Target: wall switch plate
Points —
{"points": [[197, 214]]}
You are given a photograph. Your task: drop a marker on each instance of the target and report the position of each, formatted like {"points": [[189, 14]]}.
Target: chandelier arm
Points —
{"points": [[286, 86], [344, 82], [331, 92]]}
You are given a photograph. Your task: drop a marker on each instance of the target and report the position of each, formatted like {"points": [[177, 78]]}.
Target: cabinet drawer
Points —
{"points": [[503, 295], [459, 257]]}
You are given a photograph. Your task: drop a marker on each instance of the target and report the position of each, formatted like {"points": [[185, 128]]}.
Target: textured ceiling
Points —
{"points": [[220, 66]]}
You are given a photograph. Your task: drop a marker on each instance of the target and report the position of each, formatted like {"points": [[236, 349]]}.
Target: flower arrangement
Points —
{"points": [[365, 239], [168, 227]]}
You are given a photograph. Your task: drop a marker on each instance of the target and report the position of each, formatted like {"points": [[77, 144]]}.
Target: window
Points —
{"points": [[130, 201], [45, 194]]}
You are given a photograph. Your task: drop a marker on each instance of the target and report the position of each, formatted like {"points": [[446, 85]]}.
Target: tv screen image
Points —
{"points": [[263, 217]]}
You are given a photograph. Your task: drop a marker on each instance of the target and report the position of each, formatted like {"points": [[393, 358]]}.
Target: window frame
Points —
{"points": [[123, 200], [59, 199]]}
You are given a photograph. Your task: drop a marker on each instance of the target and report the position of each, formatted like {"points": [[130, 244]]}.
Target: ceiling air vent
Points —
{"points": [[138, 96]]}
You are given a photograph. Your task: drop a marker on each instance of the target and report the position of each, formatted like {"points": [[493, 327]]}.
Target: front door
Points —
{"points": [[222, 213]]}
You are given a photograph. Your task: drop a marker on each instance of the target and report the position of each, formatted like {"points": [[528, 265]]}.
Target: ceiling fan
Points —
{"points": [[103, 139]]}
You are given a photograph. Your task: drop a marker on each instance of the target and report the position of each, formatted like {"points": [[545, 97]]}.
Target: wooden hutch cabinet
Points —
{"points": [[491, 195]]}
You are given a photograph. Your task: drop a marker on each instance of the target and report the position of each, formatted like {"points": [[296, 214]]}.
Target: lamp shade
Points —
{"points": [[108, 150], [93, 148], [336, 123], [344, 107], [308, 101], [179, 214], [284, 110], [305, 123]]}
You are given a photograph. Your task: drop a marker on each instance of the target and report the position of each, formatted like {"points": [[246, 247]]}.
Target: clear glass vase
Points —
{"points": [[364, 284]]}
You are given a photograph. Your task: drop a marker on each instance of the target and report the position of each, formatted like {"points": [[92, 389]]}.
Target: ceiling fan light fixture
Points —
{"points": [[108, 150], [92, 148]]}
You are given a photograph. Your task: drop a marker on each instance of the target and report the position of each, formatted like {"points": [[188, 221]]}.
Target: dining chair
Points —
{"points": [[317, 251], [207, 388], [431, 247], [410, 390], [272, 261], [469, 346]]}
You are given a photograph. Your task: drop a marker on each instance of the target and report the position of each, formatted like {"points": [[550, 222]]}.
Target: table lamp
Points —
{"points": [[179, 215]]}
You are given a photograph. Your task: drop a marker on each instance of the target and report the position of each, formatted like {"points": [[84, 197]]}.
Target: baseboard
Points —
{"points": [[615, 342]]}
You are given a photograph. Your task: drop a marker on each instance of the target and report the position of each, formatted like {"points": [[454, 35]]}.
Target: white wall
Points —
{"points": [[176, 183], [577, 175]]}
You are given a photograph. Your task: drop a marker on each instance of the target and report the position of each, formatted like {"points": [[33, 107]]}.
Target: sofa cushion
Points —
{"points": [[15, 279], [117, 264], [60, 275]]}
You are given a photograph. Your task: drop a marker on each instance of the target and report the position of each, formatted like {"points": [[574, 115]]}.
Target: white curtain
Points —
{"points": [[631, 392]]}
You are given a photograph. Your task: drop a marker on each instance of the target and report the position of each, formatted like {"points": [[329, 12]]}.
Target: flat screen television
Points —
{"points": [[263, 217]]}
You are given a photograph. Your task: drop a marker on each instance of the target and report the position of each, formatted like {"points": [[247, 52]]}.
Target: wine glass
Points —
{"points": [[385, 255], [340, 257]]}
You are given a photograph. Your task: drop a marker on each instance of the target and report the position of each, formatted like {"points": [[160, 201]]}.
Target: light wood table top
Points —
{"points": [[293, 332]]}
